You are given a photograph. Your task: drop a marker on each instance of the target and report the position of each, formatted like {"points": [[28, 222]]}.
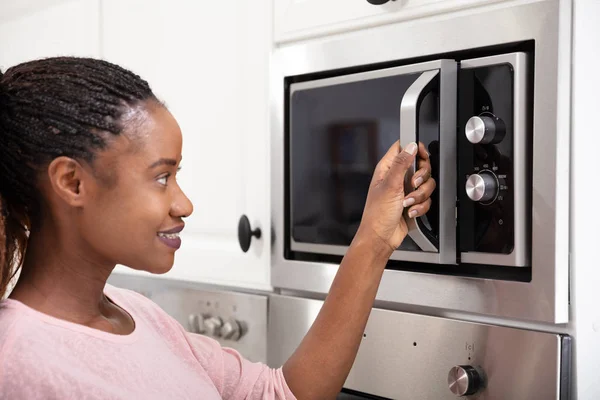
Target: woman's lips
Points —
{"points": [[172, 242], [171, 237]]}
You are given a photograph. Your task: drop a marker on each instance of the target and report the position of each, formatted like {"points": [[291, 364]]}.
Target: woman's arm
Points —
{"points": [[320, 365]]}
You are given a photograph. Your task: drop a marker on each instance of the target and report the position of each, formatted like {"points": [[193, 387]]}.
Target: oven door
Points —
{"points": [[340, 127]]}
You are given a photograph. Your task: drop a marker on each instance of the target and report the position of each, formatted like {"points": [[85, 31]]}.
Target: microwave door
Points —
{"points": [[428, 115], [339, 128]]}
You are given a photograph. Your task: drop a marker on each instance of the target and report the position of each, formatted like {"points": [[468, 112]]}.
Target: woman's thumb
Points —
{"points": [[402, 162]]}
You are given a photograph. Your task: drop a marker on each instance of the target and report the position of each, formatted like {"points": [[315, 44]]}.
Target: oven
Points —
{"points": [[480, 89]]}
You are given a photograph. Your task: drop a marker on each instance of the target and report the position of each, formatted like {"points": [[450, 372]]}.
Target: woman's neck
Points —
{"points": [[59, 280]]}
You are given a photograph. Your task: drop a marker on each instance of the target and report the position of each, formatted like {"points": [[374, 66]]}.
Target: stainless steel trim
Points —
{"points": [[399, 255], [520, 255], [447, 181], [408, 356], [545, 298], [409, 114], [363, 76]]}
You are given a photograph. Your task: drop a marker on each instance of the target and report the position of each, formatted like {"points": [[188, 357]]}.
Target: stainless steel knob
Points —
{"points": [[484, 130], [193, 323], [482, 187], [231, 330], [213, 326], [464, 380]]}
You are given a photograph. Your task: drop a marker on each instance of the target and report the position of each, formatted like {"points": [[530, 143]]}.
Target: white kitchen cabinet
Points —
{"points": [[210, 64], [32, 29], [301, 19]]}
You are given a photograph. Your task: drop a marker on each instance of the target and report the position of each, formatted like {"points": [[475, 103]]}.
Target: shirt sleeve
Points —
{"points": [[235, 377]]}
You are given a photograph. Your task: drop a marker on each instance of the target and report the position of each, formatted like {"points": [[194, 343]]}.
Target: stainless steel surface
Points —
{"points": [[447, 189], [409, 117], [447, 71], [408, 356], [481, 130], [520, 255], [191, 302], [482, 187], [464, 380], [545, 298]]}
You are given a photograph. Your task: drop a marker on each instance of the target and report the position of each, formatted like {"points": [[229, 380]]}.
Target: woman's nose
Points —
{"points": [[182, 206]]}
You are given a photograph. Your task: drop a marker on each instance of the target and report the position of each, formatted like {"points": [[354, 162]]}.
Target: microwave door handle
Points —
{"points": [[409, 118]]}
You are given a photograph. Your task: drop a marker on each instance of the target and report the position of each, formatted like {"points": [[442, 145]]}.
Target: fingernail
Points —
{"points": [[418, 182], [408, 202], [412, 213], [411, 148]]}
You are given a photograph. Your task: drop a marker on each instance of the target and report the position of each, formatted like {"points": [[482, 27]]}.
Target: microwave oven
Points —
{"points": [[472, 116]]}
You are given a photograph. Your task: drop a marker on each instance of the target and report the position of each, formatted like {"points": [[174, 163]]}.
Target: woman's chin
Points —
{"points": [[155, 267]]}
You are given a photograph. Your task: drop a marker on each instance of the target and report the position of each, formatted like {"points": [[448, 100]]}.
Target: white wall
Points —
{"points": [[585, 212], [48, 28]]}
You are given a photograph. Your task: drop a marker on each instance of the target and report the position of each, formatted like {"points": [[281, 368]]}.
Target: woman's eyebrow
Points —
{"points": [[163, 161]]}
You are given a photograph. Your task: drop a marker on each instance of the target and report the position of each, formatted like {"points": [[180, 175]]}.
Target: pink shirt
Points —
{"points": [[42, 357]]}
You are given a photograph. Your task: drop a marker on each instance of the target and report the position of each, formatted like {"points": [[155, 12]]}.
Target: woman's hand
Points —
{"points": [[386, 200]]}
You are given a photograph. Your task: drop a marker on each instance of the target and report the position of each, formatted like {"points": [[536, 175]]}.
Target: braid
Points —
{"points": [[50, 108]]}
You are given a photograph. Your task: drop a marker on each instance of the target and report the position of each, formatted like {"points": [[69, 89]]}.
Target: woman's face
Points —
{"points": [[135, 211]]}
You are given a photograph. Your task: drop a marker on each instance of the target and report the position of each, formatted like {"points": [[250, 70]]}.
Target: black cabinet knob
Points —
{"points": [[245, 233], [378, 2]]}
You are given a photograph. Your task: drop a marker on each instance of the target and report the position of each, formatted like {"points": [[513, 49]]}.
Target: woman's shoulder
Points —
{"points": [[15, 323], [9, 317]]}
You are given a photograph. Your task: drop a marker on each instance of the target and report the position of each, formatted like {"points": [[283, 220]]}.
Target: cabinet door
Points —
{"points": [[42, 28], [299, 19], [209, 63]]}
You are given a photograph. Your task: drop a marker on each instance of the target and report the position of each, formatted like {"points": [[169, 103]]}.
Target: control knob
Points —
{"points": [[485, 130], [213, 326], [196, 323], [464, 380], [482, 187], [231, 330]]}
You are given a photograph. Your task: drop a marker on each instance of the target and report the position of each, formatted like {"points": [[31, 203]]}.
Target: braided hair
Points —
{"points": [[61, 106]]}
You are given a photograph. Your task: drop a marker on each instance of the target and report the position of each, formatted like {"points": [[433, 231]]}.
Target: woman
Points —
{"points": [[88, 164]]}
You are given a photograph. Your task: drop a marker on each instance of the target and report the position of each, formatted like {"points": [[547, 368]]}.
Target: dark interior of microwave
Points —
{"points": [[338, 135]]}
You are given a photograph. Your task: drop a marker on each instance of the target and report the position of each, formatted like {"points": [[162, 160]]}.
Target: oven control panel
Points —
{"points": [[493, 167], [408, 356]]}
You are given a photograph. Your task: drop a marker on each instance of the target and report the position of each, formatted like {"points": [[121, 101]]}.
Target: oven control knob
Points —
{"points": [[196, 323], [232, 330], [464, 380], [485, 130], [482, 187], [213, 325]]}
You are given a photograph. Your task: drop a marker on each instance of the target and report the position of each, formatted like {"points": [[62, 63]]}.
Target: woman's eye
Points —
{"points": [[163, 180]]}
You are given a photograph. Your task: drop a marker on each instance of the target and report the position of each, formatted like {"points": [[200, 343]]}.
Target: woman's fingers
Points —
{"points": [[400, 164], [421, 194], [419, 210], [424, 172]]}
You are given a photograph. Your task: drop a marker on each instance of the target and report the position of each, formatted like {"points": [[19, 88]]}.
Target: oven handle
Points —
{"points": [[409, 114]]}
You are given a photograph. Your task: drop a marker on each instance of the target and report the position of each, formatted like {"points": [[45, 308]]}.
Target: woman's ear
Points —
{"points": [[68, 180]]}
